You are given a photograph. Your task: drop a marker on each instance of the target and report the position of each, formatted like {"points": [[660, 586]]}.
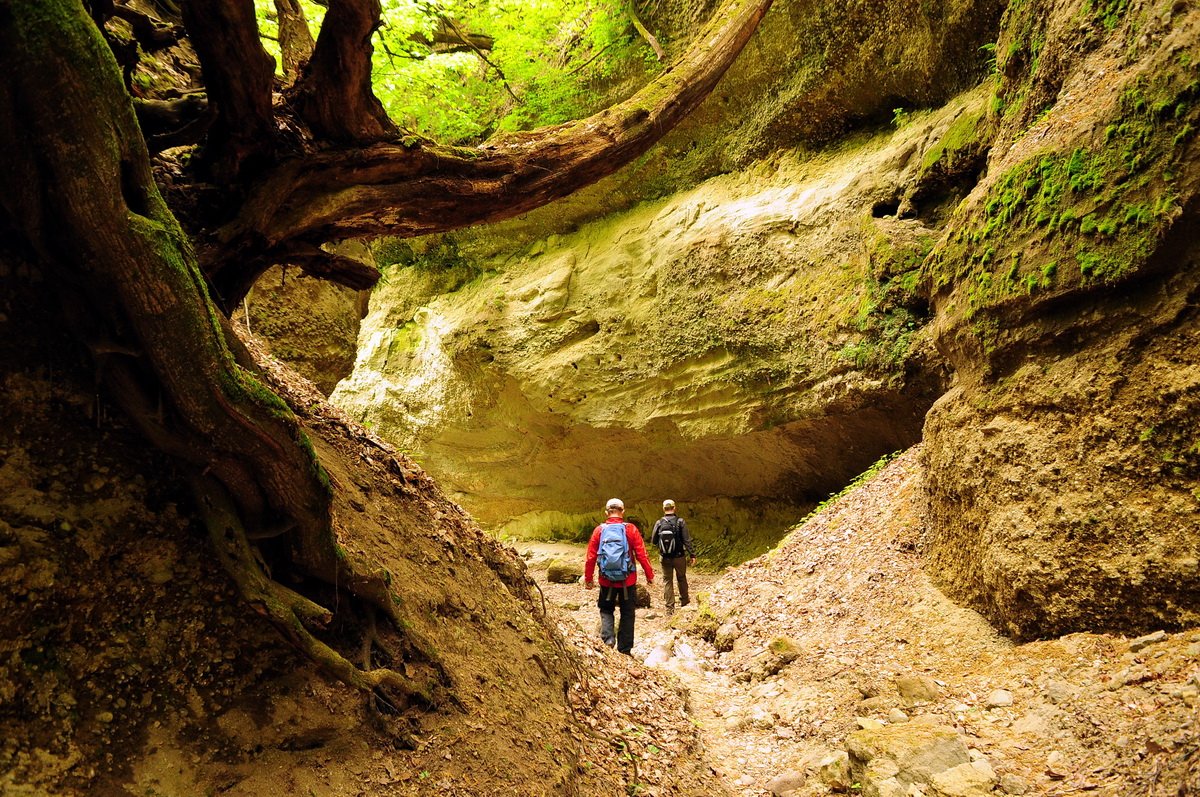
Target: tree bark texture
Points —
{"points": [[334, 95], [77, 184], [77, 181], [238, 75], [295, 39]]}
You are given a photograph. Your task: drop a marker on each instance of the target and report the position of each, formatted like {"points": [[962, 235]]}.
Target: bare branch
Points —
{"points": [[238, 74], [334, 94], [465, 38], [416, 187], [631, 9]]}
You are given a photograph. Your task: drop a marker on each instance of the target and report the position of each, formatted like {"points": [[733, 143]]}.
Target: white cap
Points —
{"points": [[615, 503], [668, 504]]}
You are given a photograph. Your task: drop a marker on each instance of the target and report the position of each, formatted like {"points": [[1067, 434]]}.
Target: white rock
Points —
{"points": [[999, 698], [658, 657], [1147, 640]]}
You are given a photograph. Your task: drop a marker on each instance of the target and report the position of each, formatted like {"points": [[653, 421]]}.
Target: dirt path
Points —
{"points": [[739, 739], [868, 642]]}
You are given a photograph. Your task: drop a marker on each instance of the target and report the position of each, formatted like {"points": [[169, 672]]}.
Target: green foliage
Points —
{"points": [[989, 51], [886, 316], [548, 60], [435, 261], [1107, 12], [962, 137]]}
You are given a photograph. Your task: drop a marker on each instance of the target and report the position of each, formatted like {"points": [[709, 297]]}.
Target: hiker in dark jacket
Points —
{"points": [[675, 544], [617, 546]]}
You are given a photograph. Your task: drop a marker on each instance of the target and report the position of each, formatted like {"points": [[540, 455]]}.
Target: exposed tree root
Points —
{"points": [[296, 616]]}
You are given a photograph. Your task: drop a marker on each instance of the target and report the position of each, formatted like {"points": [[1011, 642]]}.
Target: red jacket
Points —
{"points": [[635, 544]]}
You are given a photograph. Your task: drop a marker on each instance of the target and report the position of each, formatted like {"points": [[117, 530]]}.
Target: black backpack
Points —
{"points": [[670, 542]]}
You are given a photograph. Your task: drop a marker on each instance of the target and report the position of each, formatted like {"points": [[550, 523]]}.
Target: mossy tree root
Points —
{"points": [[375, 591], [296, 616]]}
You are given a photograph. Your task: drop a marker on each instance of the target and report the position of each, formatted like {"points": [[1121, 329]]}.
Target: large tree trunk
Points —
{"points": [[238, 74], [76, 182]]}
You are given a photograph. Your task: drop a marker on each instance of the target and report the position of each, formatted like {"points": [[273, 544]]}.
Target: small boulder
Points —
{"points": [[834, 771], [781, 652], [1057, 767], [643, 597], [917, 689], [975, 779], [727, 634], [786, 784], [999, 698], [1013, 784], [560, 572], [912, 752], [1146, 641]]}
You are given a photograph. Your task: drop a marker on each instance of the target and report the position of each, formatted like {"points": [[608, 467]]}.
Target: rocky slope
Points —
{"points": [[834, 664], [129, 663]]}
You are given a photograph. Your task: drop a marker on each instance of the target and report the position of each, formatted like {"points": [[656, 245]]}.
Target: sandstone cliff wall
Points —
{"points": [[1064, 461]]}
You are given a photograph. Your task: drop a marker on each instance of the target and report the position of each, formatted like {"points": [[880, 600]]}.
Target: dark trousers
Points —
{"points": [[610, 599], [672, 569]]}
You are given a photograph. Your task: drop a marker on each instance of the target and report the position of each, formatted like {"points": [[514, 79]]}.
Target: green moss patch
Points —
{"points": [[1093, 215]]}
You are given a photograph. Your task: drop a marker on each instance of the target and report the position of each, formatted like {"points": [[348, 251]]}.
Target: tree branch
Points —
{"points": [[417, 188], [316, 262], [333, 95], [172, 123], [482, 57], [295, 39], [238, 74], [449, 38], [631, 9]]}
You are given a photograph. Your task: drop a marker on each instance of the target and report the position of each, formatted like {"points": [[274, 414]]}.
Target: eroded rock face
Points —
{"points": [[1064, 465], [308, 323], [757, 337]]}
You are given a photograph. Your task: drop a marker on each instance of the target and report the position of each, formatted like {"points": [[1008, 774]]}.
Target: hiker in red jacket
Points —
{"points": [[614, 546]]}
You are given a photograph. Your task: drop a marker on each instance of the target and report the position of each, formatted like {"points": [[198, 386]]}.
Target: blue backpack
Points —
{"points": [[615, 559]]}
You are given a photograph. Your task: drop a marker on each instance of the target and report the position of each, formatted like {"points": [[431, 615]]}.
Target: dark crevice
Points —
{"points": [[886, 207], [132, 190]]}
